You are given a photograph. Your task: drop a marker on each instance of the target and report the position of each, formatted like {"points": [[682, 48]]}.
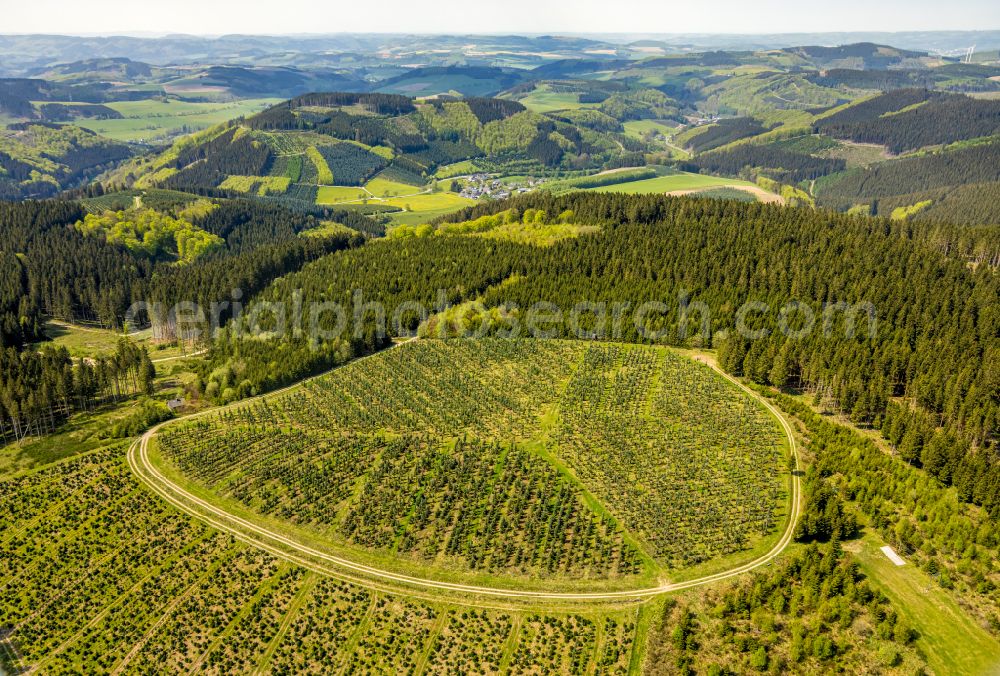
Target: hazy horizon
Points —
{"points": [[100, 18], [607, 36]]}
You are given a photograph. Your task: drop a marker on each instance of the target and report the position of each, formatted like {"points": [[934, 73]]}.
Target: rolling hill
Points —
{"points": [[308, 146], [39, 160]]}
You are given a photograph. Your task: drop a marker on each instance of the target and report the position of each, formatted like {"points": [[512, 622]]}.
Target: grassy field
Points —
{"points": [[670, 183], [544, 100], [429, 202], [638, 129], [421, 208], [423, 216], [857, 154], [410, 210], [91, 341], [332, 194], [952, 642], [151, 119], [81, 341], [381, 187]]}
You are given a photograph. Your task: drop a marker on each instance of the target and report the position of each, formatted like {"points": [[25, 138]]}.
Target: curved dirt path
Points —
{"points": [[386, 580], [762, 195], [179, 356]]}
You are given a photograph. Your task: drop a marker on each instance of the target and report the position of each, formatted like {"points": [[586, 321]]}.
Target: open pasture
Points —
{"points": [[382, 187], [670, 183], [544, 100], [639, 129], [413, 209], [334, 194], [429, 202]]}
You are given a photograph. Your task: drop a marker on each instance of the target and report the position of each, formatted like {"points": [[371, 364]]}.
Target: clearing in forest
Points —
{"points": [[558, 460]]}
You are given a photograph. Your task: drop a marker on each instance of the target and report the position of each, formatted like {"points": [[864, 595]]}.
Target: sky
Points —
{"points": [[216, 17]]}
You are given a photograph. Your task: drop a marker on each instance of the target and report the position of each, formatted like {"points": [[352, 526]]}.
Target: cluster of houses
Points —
{"points": [[480, 186]]}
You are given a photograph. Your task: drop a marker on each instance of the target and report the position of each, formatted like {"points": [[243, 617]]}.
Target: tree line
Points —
{"points": [[783, 165], [39, 390], [908, 175], [251, 357]]}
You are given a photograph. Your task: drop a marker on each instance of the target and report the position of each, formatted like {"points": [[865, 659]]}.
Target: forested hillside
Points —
{"points": [[39, 159], [788, 166], [974, 164], [724, 254], [61, 271], [724, 132], [58, 270], [970, 204], [927, 119], [388, 274]]}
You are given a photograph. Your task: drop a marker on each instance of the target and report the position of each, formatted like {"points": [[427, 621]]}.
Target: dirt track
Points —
{"points": [[762, 195]]}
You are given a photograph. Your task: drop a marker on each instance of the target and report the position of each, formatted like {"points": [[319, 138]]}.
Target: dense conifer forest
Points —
{"points": [[972, 204], [38, 390], [974, 164], [782, 165], [54, 269], [911, 119]]}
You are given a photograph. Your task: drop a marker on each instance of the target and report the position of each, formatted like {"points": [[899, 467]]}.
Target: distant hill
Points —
{"points": [[264, 81], [39, 160], [294, 149], [18, 94], [864, 55], [118, 68], [462, 80]]}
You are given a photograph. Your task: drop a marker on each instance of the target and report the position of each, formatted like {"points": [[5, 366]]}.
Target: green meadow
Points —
{"points": [[669, 183], [544, 100], [429, 202], [333, 194], [638, 129], [952, 642], [381, 187]]}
